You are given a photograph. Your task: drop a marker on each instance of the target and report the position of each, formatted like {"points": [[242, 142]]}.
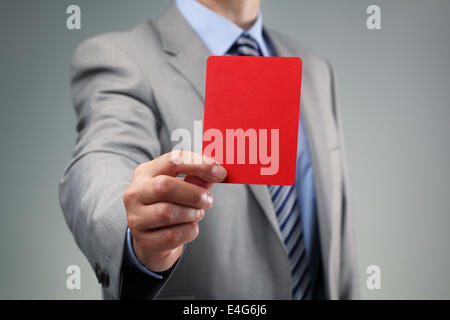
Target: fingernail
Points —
{"points": [[218, 172]]}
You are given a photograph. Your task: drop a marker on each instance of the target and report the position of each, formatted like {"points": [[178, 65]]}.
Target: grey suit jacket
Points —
{"points": [[130, 91]]}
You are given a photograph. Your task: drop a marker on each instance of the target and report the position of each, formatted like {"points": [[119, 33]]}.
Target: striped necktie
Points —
{"points": [[245, 45], [285, 203]]}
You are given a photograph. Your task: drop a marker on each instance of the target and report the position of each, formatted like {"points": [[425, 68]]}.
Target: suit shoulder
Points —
{"points": [[129, 41]]}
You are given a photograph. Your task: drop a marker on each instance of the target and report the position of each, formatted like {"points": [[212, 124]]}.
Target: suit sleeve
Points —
{"points": [[348, 278], [117, 126]]}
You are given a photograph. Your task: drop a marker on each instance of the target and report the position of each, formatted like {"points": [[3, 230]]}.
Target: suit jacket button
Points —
{"points": [[104, 277]]}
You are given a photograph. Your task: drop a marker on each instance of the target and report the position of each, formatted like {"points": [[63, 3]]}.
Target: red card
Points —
{"points": [[252, 108]]}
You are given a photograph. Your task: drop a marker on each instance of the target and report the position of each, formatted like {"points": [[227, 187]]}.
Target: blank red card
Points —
{"points": [[252, 107]]}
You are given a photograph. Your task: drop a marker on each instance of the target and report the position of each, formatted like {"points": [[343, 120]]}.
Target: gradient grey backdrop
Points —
{"points": [[394, 89]]}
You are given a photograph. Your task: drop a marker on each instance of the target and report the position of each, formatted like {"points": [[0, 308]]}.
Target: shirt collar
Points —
{"points": [[217, 32]]}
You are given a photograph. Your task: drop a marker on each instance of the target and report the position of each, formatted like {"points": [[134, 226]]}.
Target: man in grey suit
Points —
{"points": [[138, 222]]}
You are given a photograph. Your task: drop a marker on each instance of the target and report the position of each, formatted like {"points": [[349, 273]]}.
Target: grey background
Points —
{"points": [[394, 93]]}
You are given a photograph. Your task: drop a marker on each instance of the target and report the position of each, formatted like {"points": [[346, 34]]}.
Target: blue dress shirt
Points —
{"points": [[219, 34]]}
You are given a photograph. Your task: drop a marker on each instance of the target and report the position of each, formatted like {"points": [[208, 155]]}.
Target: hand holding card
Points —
{"points": [[252, 108]]}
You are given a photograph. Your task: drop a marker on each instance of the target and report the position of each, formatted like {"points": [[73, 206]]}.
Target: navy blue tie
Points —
{"points": [[285, 203], [245, 45]]}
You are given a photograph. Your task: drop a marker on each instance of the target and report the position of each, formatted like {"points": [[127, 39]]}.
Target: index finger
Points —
{"points": [[186, 162]]}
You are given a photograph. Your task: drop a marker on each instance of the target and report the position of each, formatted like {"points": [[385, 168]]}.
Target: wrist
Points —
{"points": [[134, 259]]}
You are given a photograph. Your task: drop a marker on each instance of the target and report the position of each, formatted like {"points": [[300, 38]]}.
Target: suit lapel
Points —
{"points": [[185, 50], [262, 196]]}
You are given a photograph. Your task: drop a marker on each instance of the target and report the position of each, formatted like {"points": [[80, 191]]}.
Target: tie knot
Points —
{"points": [[245, 45]]}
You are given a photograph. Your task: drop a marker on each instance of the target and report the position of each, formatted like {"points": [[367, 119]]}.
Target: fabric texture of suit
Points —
{"points": [[130, 91]]}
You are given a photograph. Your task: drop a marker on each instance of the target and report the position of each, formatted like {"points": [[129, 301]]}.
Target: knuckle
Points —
{"points": [[133, 222], [166, 212], [139, 169], [174, 158], [172, 237], [130, 195], [161, 185]]}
